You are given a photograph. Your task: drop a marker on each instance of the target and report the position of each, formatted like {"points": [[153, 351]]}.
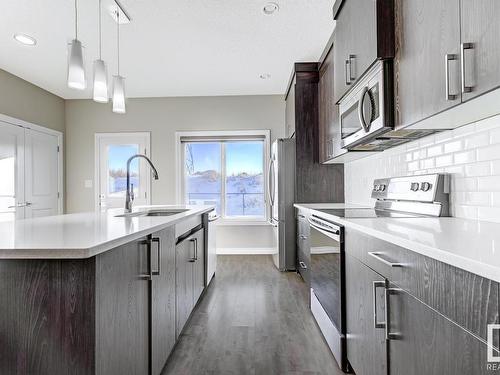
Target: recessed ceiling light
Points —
{"points": [[25, 39], [265, 76], [270, 8]]}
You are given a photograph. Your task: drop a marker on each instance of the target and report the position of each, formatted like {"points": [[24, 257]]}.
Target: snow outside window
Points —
{"points": [[228, 174]]}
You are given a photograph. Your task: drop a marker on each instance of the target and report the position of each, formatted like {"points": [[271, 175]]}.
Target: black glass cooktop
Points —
{"points": [[368, 213]]}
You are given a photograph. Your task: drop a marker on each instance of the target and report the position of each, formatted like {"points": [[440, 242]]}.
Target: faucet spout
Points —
{"points": [[129, 195]]}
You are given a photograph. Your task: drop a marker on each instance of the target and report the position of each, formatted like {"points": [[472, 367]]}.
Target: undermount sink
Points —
{"points": [[155, 212]]}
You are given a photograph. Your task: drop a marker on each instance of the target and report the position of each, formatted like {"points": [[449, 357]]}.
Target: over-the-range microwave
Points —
{"points": [[367, 113]]}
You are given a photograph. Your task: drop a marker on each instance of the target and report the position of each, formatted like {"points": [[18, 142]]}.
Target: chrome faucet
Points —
{"points": [[130, 191]]}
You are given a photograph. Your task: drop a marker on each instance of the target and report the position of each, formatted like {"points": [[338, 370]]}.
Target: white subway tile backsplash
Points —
{"points": [[465, 157], [489, 153], [478, 169], [454, 146], [470, 154], [435, 150]]}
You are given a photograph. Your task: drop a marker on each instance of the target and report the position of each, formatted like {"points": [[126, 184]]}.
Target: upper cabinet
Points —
{"points": [[427, 65], [364, 33], [446, 54], [480, 36]]}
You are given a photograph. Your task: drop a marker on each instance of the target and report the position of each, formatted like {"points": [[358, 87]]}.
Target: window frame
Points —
{"points": [[218, 136]]}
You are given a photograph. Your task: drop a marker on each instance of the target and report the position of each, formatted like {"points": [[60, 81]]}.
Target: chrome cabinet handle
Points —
{"points": [[303, 265], [158, 252], [193, 259], [388, 334], [352, 77], [196, 249], [149, 275], [447, 58], [463, 47], [376, 323], [347, 72], [377, 255]]}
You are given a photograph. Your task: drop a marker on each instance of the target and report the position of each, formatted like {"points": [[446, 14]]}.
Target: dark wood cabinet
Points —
{"points": [[366, 345], [365, 33], [425, 70], [480, 33], [112, 314], [122, 309], [303, 246], [190, 275], [315, 182], [162, 298], [425, 342]]}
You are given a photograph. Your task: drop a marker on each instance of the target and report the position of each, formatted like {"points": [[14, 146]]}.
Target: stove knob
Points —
{"points": [[414, 186], [382, 187], [426, 186], [376, 188]]}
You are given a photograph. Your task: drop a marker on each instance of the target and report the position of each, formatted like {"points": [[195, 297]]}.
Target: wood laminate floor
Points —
{"points": [[252, 320]]}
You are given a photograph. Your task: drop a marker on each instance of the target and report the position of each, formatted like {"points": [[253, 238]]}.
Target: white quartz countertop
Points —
{"points": [[471, 245], [82, 235]]}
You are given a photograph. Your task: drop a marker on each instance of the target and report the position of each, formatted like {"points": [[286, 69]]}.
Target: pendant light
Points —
{"points": [[118, 80], [76, 69], [100, 94]]}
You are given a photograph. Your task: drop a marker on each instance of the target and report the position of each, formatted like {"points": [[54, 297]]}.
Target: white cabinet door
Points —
{"points": [[11, 172], [41, 174]]}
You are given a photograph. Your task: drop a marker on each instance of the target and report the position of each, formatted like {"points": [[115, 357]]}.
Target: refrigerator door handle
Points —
{"points": [[270, 183]]}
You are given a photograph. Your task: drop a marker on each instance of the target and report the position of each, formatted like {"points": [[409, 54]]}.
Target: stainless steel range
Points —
{"points": [[399, 197]]}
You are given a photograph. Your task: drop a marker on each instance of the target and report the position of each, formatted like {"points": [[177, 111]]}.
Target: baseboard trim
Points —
{"points": [[245, 250]]}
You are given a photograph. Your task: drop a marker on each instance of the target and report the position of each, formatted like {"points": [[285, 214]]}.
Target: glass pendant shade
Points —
{"points": [[100, 82], [118, 94], [76, 69]]}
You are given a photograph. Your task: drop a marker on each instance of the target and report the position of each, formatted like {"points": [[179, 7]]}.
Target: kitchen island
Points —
{"points": [[99, 293]]}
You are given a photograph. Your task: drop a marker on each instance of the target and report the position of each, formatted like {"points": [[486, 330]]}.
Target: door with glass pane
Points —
{"points": [[113, 151], [12, 200]]}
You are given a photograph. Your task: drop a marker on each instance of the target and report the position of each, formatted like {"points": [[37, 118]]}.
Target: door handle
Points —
{"points": [[388, 334], [377, 255], [303, 265], [376, 323], [347, 72], [463, 47], [352, 77], [193, 259], [447, 58], [21, 204], [158, 252], [270, 183], [361, 110], [149, 275]]}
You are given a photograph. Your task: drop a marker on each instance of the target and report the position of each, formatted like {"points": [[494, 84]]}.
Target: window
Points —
{"points": [[112, 153], [226, 170]]}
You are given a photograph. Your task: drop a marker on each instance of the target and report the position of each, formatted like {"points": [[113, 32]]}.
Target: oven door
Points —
{"points": [[363, 111], [327, 275]]}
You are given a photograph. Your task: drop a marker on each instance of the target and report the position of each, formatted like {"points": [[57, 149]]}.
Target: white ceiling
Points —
{"points": [[171, 48]]}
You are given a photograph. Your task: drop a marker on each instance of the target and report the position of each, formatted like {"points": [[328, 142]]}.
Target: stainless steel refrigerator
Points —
{"points": [[281, 194]]}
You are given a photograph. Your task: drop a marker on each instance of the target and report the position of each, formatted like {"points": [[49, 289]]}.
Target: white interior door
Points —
{"points": [[113, 151], [11, 172], [41, 174]]}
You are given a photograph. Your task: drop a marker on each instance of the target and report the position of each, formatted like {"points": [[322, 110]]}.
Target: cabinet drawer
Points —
{"points": [[468, 299]]}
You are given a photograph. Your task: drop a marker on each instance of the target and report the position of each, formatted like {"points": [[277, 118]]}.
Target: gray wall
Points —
{"points": [[163, 117], [25, 101]]}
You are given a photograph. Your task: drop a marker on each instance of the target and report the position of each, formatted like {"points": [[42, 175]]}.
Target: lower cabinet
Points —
{"points": [[366, 346], [190, 275], [406, 314], [422, 341], [162, 298], [303, 246]]}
